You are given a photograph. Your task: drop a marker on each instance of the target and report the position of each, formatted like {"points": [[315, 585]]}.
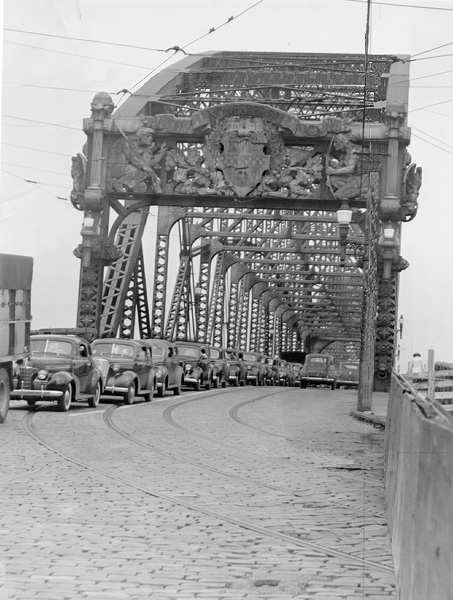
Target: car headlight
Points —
{"points": [[116, 367], [248, 367], [188, 367], [159, 373], [42, 374]]}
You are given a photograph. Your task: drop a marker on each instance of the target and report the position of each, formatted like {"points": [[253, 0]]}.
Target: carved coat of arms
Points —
{"points": [[240, 147]]}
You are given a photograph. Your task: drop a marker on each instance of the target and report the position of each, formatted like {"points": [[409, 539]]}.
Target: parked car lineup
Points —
{"points": [[67, 368]]}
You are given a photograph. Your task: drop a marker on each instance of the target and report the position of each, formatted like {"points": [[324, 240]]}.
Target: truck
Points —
{"points": [[16, 274]]}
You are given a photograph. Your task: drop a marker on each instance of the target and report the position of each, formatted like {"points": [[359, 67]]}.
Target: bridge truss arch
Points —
{"points": [[288, 178]]}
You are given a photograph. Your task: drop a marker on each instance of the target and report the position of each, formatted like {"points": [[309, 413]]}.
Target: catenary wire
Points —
{"points": [[402, 5]]}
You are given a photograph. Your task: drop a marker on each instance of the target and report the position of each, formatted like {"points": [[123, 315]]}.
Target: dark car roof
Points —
{"points": [[160, 342], [193, 344], [61, 338], [118, 341]]}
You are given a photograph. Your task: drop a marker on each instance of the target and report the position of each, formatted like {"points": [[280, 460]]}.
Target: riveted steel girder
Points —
{"points": [[249, 156]]}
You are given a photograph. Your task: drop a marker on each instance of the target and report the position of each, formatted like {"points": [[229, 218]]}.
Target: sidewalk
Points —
{"points": [[378, 413]]}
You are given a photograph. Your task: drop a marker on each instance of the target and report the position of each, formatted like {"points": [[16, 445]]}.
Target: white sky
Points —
{"points": [[45, 83]]}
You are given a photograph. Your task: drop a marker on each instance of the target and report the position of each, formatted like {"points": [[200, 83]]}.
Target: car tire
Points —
{"points": [[161, 390], [215, 383], [31, 402], [149, 395], [177, 389], [197, 385], [5, 392], [224, 384], [93, 401], [243, 383], [333, 386], [303, 384], [64, 401], [129, 396], [207, 386]]}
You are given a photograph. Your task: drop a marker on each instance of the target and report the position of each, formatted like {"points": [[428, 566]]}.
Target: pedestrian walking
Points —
{"points": [[416, 365]]}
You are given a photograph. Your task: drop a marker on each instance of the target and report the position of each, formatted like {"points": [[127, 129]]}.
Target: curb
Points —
{"points": [[369, 418]]}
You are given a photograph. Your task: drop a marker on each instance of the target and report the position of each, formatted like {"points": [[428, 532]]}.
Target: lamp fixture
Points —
{"points": [[388, 230], [344, 214], [344, 217]]}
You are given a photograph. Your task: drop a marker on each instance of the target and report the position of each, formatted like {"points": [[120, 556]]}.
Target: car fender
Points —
{"points": [[61, 379], [125, 379], [164, 373], [96, 376]]}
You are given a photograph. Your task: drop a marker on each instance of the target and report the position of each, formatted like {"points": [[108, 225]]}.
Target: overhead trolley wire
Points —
{"points": [[65, 37], [402, 5]]}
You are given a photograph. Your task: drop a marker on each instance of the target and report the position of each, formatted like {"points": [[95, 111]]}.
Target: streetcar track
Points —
{"points": [[167, 416], [234, 415], [108, 418], [318, 548], [14, 477]]}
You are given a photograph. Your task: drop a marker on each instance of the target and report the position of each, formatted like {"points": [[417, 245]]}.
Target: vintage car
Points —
{"points": [[60, 368], [318, 369], [254, 366], [269, 371], [280, 368], [196, 364], [295, 373], [126, 367], [168, 371], [348, 374], [238, 369], [221, 365]]}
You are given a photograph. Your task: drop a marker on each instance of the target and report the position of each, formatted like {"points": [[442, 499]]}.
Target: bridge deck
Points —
{"points": [[263, 492]]}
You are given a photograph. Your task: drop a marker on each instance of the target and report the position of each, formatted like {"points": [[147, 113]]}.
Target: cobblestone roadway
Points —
{"points": [[293, 463]]}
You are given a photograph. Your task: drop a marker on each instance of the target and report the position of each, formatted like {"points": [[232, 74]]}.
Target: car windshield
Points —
{"points": [[188, 351], [250, 357], [157, 351], [113, 349], [318, 359], [351, 367], [51, 347]]}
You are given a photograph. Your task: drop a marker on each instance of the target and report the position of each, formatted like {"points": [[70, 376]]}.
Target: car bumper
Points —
{"points": [[115, 389], [317, 380], [24, 394]]}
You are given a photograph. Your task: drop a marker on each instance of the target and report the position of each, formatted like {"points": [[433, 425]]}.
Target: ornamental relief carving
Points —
{"points": [[241, 155]]}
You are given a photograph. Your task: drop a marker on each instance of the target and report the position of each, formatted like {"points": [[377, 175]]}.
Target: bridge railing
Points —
{"points": [[419, 492]]}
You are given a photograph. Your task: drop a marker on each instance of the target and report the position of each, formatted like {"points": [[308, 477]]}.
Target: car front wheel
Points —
{"points": [[4, 394], [177, 389], [129, 396], [64, 401], [93, 401]]}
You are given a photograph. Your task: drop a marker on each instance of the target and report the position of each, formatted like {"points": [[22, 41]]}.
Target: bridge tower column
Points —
{"points": [[88, 196]]}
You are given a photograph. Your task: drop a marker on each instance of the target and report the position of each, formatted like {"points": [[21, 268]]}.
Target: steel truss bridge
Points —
{"points": [[287, 180]]}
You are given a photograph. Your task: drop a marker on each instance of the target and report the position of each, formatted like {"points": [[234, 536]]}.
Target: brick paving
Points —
{"points": [[250, 493]]}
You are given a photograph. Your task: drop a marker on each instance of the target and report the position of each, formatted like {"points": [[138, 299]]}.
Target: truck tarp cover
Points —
{"points": [[15, 272]]}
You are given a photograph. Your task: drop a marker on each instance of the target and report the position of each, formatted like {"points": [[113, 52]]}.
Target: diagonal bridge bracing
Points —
{"points": [[252, 157]]}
